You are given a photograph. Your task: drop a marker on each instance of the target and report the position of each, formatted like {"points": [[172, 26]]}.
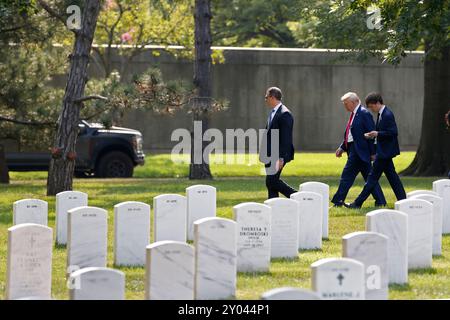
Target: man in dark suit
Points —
{"points": [[387, 148], [277, 148], [360, 151]]}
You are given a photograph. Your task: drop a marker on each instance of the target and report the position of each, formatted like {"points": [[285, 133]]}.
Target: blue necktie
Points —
{"points": [[269, 120], [378, 122]]}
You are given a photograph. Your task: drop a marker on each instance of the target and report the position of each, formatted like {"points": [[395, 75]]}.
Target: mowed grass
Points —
{"points": [[235, 184]]}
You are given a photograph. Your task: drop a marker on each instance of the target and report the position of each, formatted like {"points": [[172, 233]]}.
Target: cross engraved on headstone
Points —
{"points": [[32, 241], [340, 278]]}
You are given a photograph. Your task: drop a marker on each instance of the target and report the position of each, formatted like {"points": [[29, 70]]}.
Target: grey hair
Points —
{"points": [[351, 96]]}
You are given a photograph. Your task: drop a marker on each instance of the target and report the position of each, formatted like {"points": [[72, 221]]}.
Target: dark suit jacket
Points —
{"points": [[362, 123], [284, 122], [387, 142]]}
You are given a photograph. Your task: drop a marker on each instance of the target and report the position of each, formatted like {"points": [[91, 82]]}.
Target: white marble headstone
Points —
{"points": [[288, 293], [284, 227], [169, 217], [97, 284], [371, 249], [338, 279], [437, 203], [310, 219], [420, 231], [87, 238], [324, 190], [201, 203], [215, 258], [30, 211], [442, 188], [29, 261], [394, 225], [169, 271], [131, 233], [66, 201], [254, 236], [420, 192]]}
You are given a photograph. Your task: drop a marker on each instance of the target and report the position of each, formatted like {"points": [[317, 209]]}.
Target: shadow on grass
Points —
{"points": [[255, 274], [423, 271], [400, 287], [278, 260], [318, 250], [127, 268], [60, 246], [6, 219]]}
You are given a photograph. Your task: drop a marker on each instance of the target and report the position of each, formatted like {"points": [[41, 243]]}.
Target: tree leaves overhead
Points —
{"points": [[405, 25], [137, 24], [254, 22]]}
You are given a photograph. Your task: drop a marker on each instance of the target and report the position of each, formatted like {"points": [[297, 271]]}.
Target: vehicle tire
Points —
{"points": [[115, 164]]}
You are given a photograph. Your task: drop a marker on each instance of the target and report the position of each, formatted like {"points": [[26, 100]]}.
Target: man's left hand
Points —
{"points": [[371, 134], [279, 164]]}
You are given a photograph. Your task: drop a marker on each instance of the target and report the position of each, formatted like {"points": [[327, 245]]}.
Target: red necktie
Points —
{"points": [[347, 130]]}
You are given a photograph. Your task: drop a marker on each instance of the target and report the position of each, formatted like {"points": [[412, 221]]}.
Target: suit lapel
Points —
{"points": [[353, 121], [382, 116], [355, 118], [277, 114]]}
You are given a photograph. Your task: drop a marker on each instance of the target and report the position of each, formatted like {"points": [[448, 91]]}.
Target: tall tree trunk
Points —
{"points": [[4, 172], [433, 154], [62, 165], [202, 81]]}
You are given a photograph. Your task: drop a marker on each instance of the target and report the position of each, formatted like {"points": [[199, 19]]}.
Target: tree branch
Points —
{"points": [[14, 28], [27, 123], [54, 13], [93, 97]]}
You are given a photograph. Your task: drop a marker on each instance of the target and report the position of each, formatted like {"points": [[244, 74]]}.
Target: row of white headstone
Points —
{"points": [[395, 241], [303, 221], [174, 214], [86, 237], [174, 270], [29, 248]]}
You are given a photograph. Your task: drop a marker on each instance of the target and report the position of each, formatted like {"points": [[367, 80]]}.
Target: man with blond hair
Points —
{"points": [[360, 151]]}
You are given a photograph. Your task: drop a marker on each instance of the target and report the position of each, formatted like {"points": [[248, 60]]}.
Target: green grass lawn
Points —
{"points": [[235, 184]]}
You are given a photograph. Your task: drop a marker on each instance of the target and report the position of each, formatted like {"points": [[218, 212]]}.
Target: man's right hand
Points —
{"points": [[339, 152]]}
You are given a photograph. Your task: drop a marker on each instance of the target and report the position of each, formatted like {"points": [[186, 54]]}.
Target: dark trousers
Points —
{"points": [[275, 186], [352, 168], [387, 167]]}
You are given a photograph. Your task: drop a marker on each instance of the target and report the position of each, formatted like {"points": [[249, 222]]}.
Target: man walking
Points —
{"points": [[387, 148], [360, 151], [277, 153]]}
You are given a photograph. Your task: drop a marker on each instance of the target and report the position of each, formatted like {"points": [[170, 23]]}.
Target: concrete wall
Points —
{"points": [[312, 81]]}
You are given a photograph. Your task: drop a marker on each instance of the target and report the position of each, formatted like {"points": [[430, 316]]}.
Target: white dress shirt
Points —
{"points": [[272, 113], [381, 111], [274, 110], [350, 136]]}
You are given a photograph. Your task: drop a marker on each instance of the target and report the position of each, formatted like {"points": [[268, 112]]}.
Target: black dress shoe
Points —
{"points": [[352, 206], [380, 205], [339, 204]]}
